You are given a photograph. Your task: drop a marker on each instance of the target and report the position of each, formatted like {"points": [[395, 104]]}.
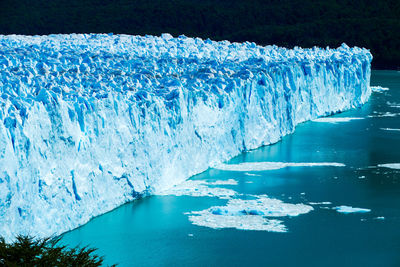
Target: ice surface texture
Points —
{"points": [[89, 122]]}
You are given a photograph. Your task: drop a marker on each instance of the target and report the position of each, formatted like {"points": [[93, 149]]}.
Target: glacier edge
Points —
{"points": [[90, 122]]}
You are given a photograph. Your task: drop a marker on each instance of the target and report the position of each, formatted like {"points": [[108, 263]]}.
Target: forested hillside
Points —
{"points": [[368, 23]]}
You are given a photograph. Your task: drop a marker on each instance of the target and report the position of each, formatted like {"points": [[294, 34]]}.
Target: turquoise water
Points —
{"points": [[154, 231]]}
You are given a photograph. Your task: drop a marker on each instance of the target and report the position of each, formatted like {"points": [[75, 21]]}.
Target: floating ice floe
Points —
{"points": [[379, 89], [390, 165], [249, 214], [251, 174], [320, 203], [224, 182], [337, 119], [393, 105], [390, 129], [349, 209], [202, 188], [265, 166], [383, 115]]}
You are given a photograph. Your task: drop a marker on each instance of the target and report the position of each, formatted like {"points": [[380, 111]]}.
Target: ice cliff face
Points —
{"points": [[89, 122]]}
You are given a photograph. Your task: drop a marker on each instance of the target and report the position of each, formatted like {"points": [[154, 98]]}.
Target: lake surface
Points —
{"points": [[155, 231]]}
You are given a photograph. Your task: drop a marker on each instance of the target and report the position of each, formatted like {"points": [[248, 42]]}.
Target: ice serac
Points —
{"points": [[89, 122]]}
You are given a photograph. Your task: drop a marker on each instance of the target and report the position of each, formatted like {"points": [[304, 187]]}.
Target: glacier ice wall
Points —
{"points": [[89, 122]]}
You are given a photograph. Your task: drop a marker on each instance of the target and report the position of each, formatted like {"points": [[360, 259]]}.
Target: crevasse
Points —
{"points": [[89, 122]]}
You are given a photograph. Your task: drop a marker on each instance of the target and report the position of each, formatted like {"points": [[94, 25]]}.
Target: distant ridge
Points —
{"points": [[364, 23]]}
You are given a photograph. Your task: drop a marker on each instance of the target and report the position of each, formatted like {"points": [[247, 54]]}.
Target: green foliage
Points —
{"points": [[367, 23], [27, 251]]}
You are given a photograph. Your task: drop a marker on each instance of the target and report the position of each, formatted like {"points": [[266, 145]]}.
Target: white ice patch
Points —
{"points": [[383, 115], [201, 188], [379, 89], [256, 223], [265, 166], [337, 119], [320, 203], [249, 214], [390, 166], [349, 209], [251, 174], [224, 182], [390, 129], [393, 105]]}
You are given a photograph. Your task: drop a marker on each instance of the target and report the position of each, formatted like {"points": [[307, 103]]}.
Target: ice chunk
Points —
{"points": [[379, 89], [265, 166], [202, 188], [250, 214], [251, 174], [383, 115], [337, 119], [390, 129], [259, 223], [393, 105], [349, 209], [390, 166], [224, 182], [320, 203]]}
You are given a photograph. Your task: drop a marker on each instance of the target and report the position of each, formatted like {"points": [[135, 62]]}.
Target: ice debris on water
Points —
{"points": [[201, 188], [253, 214], [390, 129], [395, 166], [265, 166], [320, 203], [349, 209], [379, 89], [337, 119]]}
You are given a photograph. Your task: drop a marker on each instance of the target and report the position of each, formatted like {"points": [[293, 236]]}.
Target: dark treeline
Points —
{"points": [[367, 23]]}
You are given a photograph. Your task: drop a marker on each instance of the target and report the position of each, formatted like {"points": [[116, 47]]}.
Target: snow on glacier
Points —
{"points": [[89, 122]]}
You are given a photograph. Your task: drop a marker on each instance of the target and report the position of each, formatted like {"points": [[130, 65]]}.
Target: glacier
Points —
{"points": [[89, 122]]}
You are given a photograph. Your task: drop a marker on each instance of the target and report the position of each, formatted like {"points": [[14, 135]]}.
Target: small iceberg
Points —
{"points": [[349, 209], [390, 166], [249, 214], [383, 115], [336, 119], [224, 182], [320, 203], [266, 166], [379, 89], [390, 129], [202, 188]]}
